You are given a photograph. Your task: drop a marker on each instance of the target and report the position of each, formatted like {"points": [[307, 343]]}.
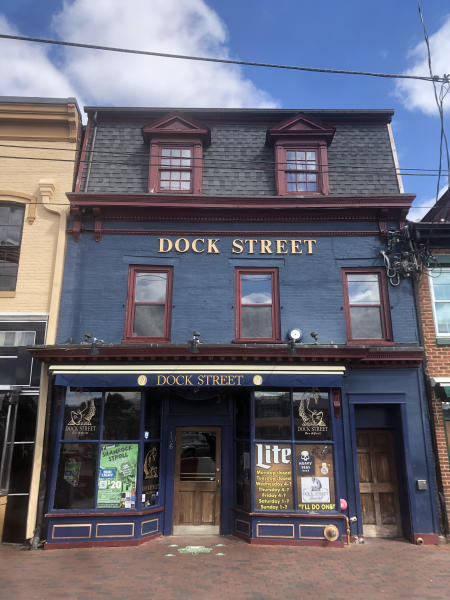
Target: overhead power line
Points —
{"points": [[227, 61]]}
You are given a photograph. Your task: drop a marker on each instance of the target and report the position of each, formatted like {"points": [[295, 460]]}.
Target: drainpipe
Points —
{"points": [[91, 152], [429, 393]]}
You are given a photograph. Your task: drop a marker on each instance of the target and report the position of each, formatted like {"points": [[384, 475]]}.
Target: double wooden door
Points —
{"points": [[378, 483], [197, 480]]}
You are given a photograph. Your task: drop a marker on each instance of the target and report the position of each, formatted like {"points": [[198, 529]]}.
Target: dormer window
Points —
{"points": [[175, 171], [176, 155], [301, 156]]}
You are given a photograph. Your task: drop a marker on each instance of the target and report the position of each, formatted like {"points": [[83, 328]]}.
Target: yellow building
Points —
{"points": [[39, 144]]}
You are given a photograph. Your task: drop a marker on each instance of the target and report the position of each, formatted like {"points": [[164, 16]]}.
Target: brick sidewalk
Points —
{"points": [[231, 569]]}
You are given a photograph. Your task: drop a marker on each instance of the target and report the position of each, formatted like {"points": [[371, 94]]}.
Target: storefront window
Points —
{"points": [[75, 484], [243, 472], [100, 470], [272, 415], [122, 416], [288, 475]]}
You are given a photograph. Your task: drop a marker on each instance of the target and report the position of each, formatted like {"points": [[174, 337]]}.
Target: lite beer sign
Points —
{"points": [[268, 455]]}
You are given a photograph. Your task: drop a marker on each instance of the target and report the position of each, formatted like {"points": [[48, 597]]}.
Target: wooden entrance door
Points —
{"points": [[378, 483], [197, 485]]}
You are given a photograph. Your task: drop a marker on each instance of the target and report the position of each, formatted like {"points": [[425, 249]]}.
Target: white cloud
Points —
{"points": [[27, 70], [188, 27], [419, 95]]}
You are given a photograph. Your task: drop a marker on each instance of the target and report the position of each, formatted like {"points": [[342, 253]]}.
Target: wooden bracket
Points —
{"points": [[336, 402], [97, 224]]}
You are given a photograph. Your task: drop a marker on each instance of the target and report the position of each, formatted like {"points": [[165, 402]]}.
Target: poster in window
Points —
{"points": [[315, 477], [81, 415], [150, 482], [273, 477], [312, 416], [117, 476]]}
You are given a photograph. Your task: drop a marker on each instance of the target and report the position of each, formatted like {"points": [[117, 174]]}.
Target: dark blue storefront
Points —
{"points": [[232, 356]]}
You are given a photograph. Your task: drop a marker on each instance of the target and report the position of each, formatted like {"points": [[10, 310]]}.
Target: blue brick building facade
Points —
{"points": [[230, 356]]}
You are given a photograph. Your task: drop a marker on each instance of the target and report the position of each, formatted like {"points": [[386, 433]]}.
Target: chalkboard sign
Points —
{"points": [[273, 477]]}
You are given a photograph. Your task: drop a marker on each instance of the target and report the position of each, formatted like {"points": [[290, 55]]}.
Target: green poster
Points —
{"points": [[117, 476]]}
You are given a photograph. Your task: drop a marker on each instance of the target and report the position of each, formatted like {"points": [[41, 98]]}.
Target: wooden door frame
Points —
{"points": [[202, 429], [398, 401], [225, 422]]}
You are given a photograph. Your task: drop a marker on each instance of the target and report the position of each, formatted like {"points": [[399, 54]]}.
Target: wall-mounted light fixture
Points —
{"points": [[93, 341], [194, 342], [294, 336], [315, 336]]}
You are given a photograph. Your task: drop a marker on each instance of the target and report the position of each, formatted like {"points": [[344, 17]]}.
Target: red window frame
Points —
{"points": [[156, 167], [282, 170], [172, 164], [383, 304], [129, 315], [275, 304]]}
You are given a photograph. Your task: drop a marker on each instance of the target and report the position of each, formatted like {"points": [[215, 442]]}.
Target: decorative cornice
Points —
{"points": [[351, 356], [39, 121], [87, 207]]}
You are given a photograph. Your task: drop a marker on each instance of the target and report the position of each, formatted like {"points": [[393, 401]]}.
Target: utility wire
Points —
{"points": [[440, 105], [338, 168], [194, 160], [226, 61]]}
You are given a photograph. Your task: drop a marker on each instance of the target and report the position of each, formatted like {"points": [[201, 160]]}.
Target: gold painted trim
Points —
{"points": [[72, 537], [116, 534], [289, 537], [245, 523], [150, 521], [311, 537], [149, 369]]}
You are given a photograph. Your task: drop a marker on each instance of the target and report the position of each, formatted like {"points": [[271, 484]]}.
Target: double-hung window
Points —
{"points": [[148, 304], [175, 170], [11, 222], [366, 306], [301, 171], [440, 294], [257, 305]]}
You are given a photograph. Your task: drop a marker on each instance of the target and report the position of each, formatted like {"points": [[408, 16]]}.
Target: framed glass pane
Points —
{"points": [[243, 474], [366, 322], [272, 415], [443, 316], [363, 288], [256, 322], [149, 320], [198, 456], [441, 284], [26, 418], [273, 477], [122, 415], [81, 415], [315, 477], [150, 474], [21, 465], [256, 289], [152, 426], [75, 484], [150, 287], [312, 417], [117, 476]]}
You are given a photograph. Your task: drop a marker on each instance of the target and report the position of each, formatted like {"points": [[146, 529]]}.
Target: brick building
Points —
{"points": [[230, 355], [39, 139], [434, 295]]}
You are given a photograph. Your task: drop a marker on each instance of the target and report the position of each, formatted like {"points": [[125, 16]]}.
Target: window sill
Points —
{"points": [[142, 340], [370, 342], [102, 513], [7, 294], [256, 341], [444, 341]]}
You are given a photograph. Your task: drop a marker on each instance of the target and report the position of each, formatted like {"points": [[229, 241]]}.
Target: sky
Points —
{"points": [[383, 36]]}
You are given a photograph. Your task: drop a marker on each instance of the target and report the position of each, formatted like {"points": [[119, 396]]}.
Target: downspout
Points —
{"points": [[39, 478], [429, 395], [91, 152]]}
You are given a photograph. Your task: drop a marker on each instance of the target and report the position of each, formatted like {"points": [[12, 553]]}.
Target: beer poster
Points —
{"points": [[314, 467], [312, 416], [273, 477], [117, 476]]}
